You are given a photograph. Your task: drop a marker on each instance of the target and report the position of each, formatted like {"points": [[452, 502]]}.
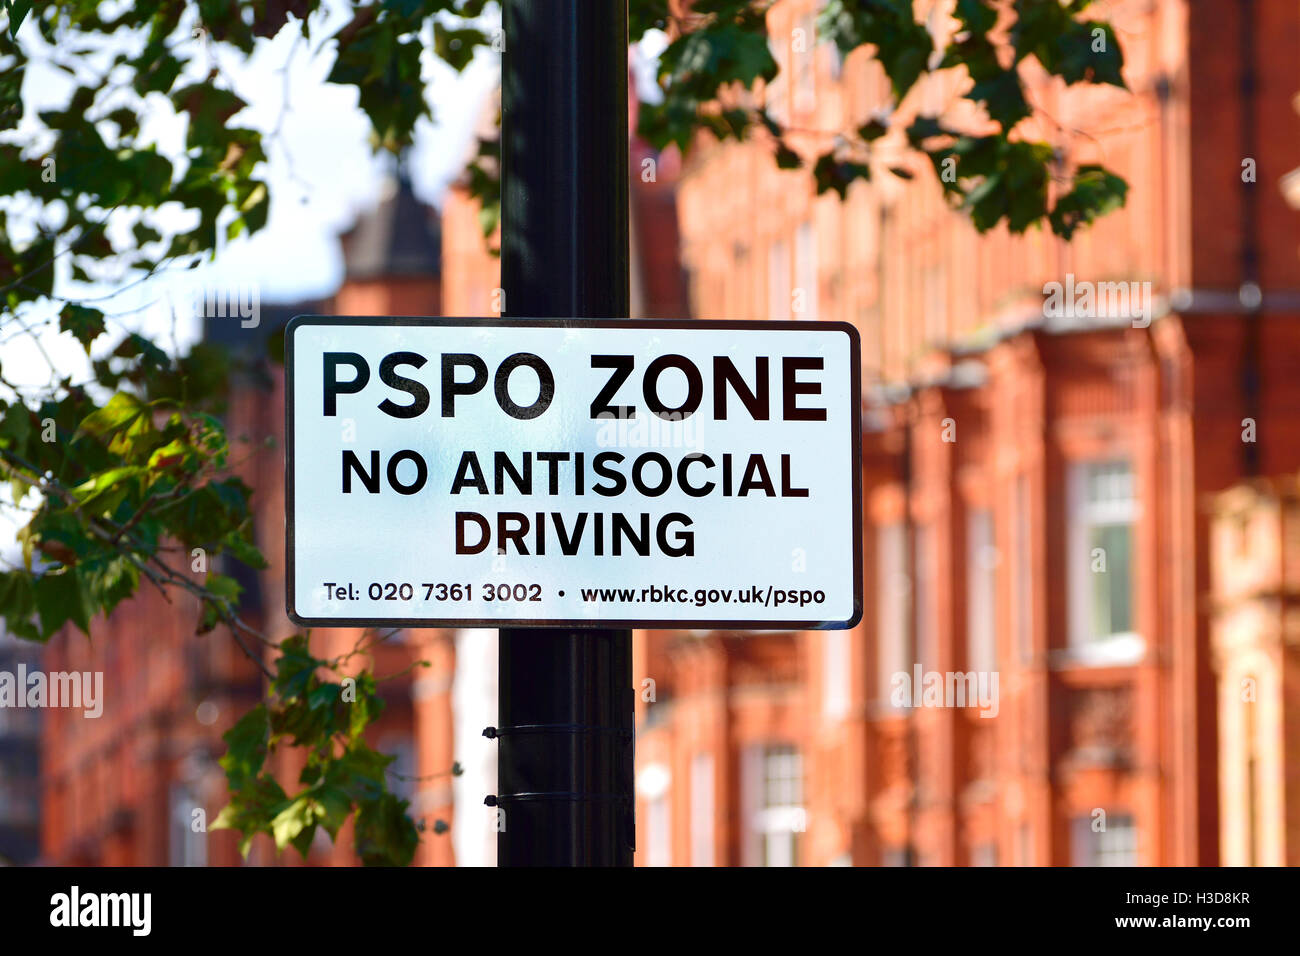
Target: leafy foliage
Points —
{"points": [[122, 476], [342, 775], [710, 75]]}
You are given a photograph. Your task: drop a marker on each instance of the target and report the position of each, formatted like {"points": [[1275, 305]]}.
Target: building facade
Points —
{"points": [[1034, 475], [1255, 555]]}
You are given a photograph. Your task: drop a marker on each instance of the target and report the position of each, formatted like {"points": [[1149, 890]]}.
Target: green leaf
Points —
{"points": [[456, 46], [253, 804], [332, 809], [61, 597], [175, 454], [111, 581], [15, 425], [125, 424], [902, 45], [93, 490], [646, 15], [1095, 192], [923, 128], [873, 129], [1104, 65], [976, 16], [145, 233], [18, 11], [126, 120], [18, 604], [987, 202], [786, 158], [244, 550], [225, 593], [246, 747], [385, 835], [85, 324], [831, 173], [11, 98], [119, 412], [210, 109], [292, 821], [1003, 97]]}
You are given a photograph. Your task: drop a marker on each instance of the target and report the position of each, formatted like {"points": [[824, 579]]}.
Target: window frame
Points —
{"points": [[981, 591], [702, 809], [773, 822], [1084, 516], [891, 610], [1102, 848]]}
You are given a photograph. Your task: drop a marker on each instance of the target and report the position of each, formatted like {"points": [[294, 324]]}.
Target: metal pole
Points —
{"points": [[565, 711]]}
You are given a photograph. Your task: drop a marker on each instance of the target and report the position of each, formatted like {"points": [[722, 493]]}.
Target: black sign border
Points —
{"points": [[855, 371]]}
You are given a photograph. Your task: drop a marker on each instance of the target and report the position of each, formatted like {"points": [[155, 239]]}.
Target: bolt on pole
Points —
{"points": [[566, 703]]}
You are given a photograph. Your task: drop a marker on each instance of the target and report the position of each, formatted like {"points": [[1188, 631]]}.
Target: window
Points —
{"points": [[22, 724], [659, 845], [1103, 509], [1252, 778], [981, 562], [187, 848], [1024, 571], [836, 674], [702, 810], [778, 280], [892, 586], [805, 254], [896, 856], [773, 780], [934, 305], [1116, 845], [984, 854], [926, 639], [653, 785]]}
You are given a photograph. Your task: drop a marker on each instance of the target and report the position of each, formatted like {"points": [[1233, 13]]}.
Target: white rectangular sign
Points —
{"points": [[458, 472]]}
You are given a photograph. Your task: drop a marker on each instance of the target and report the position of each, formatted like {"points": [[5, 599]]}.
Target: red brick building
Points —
{"points": [[1034, 487]]}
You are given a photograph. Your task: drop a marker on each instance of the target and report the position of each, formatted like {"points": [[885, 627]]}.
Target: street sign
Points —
{"points": [[475, 472]]}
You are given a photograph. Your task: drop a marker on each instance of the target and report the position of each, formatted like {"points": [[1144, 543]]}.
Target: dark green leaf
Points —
{"points": [[85, 324]]}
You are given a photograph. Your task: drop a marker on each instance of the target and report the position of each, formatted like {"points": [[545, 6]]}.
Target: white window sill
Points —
{"points": [[1113, 651]]}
